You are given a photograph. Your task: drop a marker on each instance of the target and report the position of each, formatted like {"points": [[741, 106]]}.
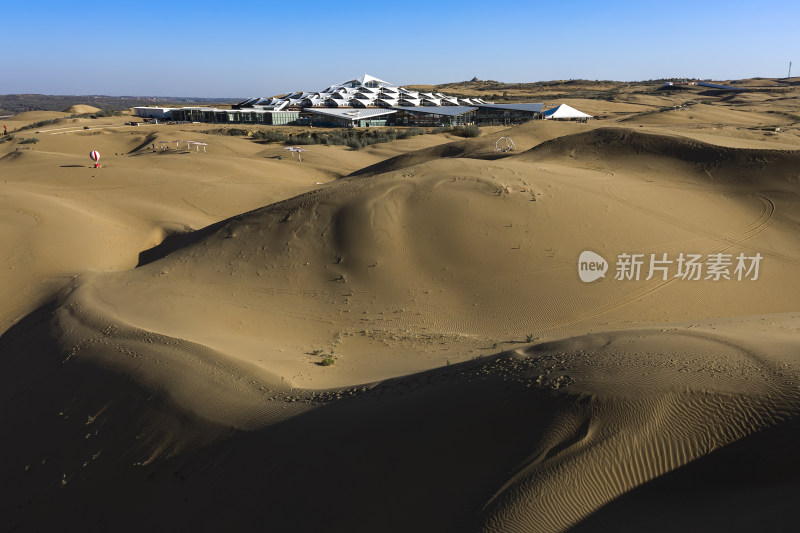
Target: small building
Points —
{"points": [[153, 112]]}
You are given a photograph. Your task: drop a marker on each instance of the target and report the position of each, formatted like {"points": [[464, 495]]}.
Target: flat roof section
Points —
{"points": [[534, 108], [447, 110], [353, 114]]}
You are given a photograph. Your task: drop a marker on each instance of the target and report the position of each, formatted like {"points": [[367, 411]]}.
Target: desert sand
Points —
{"points": [[165, 319]]}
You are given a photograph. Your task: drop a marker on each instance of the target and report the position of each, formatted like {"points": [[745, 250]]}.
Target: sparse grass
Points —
{"points": [[412, 132], [6, 138], [48, 122], [355, 144], [108, 113], [233, 132], [353, 138], [270, 136], [790, 116], [29, 140], [328, 361]]}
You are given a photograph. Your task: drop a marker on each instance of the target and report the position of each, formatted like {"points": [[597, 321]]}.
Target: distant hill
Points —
{"points": [[509, 92], [496, 91], [11, 104]]}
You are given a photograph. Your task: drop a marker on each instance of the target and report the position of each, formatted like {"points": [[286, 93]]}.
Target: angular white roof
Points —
{"points": [[450, 111], [364, 80], [364, 91]]}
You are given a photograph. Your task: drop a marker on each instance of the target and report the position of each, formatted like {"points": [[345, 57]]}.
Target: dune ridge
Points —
{"points": [[728, 165]]}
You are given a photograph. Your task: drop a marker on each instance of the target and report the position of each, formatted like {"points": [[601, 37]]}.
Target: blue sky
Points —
{"points": [[247, 48]]}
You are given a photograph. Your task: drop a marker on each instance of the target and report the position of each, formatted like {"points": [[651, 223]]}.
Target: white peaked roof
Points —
{"points": [[365, 91], [565, 111], [450, 110], [364, 80]]}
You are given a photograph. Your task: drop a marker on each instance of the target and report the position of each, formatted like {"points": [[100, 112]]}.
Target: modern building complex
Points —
{"points": [[362, 102]]}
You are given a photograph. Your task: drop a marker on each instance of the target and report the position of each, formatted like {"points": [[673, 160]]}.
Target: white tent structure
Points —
{"points": [[565, 112]]}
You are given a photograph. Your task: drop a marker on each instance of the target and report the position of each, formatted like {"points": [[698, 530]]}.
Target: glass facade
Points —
{"points": [[373, 122], [234, 116], [406, 117], [487, 116], [318, 119]]}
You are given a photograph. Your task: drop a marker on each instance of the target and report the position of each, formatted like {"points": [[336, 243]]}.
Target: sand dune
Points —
{"points": [[166, 318], [703, 113], [33, 116], [575, 425], [524, 136], [617, 147], [81, 109]]}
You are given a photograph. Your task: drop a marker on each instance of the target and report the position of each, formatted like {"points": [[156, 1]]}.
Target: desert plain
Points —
{"points": [[397, 338]]}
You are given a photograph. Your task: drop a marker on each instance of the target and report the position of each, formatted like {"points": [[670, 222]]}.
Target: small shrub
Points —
{"points": [[41, 123], [353, 138], [410, 132], [328, 361], [29, 140], [467, 131], [108, 113], [270, 136], [304, 138]]}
